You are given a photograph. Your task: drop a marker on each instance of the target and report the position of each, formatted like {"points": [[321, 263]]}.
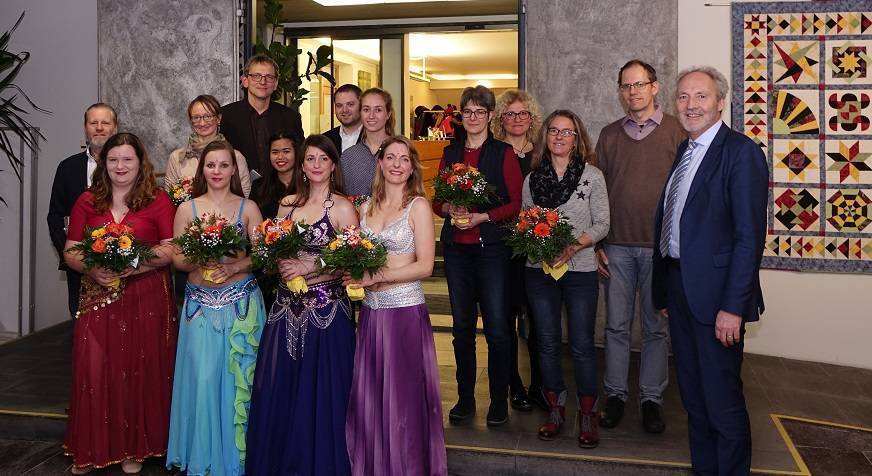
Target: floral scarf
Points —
{"points": [[550, 192]]}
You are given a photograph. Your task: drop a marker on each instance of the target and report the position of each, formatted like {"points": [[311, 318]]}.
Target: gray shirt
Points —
{"points": [[358, 169], [587, 210]]}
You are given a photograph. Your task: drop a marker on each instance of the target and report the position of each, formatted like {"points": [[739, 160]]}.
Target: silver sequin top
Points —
{"points": [[398, 239]]}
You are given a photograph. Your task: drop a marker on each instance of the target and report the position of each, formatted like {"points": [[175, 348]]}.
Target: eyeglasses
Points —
{"points": [[638, 85], [519, 116], [257, 77], [553, 131], [478, 113], [203, 118]]}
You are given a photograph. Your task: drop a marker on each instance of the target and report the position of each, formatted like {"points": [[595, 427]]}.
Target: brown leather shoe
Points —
{"points": [[557, 414], [588, 435]]}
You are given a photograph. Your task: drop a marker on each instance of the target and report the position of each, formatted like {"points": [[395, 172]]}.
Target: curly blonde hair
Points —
{"points": [[508, 98]]}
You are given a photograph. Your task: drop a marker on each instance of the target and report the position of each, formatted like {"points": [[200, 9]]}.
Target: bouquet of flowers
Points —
{"points": [[358, 201], [462, 186], [209, 238], [541, 234], [355, 252], [180, 192], [113, 247], [273, 240]]}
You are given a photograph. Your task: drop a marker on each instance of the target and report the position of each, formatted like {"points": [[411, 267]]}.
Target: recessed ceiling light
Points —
{"points": [[343, 3]]}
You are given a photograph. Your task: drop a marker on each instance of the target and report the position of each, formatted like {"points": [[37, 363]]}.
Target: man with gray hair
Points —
{"points": [[73, 176], [708, 242]]}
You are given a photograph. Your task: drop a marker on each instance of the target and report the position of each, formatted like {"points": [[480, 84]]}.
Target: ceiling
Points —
{"points": [[309, 11]]}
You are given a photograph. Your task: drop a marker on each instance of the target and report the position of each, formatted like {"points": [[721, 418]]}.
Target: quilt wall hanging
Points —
{"points": [[802, 89]]}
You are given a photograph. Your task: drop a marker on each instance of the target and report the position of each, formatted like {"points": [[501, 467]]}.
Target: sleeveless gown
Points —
{"points": [[218, 341], [303, 378], [394, 424]]}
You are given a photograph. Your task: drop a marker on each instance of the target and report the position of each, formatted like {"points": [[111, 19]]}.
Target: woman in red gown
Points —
{"points": [[124, 340]]}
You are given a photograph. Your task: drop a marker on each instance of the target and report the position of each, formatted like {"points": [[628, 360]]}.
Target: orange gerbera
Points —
{"points": [[542, 230], [286, 225], [98, 246], [271, 237], [523, 225], [552, 217], [114, 229]]}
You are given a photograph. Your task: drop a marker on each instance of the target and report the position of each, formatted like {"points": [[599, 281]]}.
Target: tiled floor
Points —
{"points": [[34, 377]]}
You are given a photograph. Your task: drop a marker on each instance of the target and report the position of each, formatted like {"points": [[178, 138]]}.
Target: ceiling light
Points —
{"points": [[342, 3], [463, 77]]}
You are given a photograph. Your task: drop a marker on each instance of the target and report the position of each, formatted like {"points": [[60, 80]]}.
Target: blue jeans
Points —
{"points": [[579, 292], [478, 276], [630, 270]]}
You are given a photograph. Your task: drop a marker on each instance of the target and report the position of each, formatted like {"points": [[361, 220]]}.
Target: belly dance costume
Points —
{"points": [[218, 341], [303, 376], [395, 412]]}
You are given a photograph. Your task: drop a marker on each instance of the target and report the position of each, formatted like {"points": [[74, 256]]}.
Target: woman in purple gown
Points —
{"points": [[296, 424], [394, 424]]}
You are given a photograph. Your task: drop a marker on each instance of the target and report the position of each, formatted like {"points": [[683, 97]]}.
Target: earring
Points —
{"points": [[305, 178]]}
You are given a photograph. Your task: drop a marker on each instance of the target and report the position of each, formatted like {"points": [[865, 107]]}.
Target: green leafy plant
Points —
{"points": [[12, 122], [290, 81]]}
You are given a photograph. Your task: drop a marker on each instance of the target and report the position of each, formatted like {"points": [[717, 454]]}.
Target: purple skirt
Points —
{"points": [[394, 422]]}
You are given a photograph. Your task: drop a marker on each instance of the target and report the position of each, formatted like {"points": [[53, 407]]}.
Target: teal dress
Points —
{"points": [[218, 340]]}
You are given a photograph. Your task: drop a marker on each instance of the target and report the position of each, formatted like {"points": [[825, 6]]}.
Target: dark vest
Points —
{"points": [[490, 164]]}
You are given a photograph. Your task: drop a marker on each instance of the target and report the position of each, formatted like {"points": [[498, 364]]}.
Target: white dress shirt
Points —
{"points": [[92, 165], [349, 138]]}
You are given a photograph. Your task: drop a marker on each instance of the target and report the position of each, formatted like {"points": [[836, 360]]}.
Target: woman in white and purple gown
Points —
{"points": [[394, 422]]}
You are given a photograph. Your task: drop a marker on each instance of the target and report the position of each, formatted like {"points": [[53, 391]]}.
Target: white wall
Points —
{"points": [[809, 316], [61, 76]]}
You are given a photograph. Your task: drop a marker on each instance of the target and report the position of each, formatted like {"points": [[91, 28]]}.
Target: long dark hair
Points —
{"points": [[301, 182], [270, 189], [144, 188], [199, 186]]}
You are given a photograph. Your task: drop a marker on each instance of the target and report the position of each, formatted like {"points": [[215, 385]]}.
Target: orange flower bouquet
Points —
{"points": [[355, 252], [463, 186], [112, 246], [180, 192], [274, 240], [209, 238], [541, 234]]}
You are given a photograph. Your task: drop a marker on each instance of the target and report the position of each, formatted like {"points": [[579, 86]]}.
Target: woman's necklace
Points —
{"points": [[520, 152]]}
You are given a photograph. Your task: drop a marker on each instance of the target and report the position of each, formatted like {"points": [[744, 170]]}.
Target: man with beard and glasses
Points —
{"points": [[73, 176], [346, 105]]}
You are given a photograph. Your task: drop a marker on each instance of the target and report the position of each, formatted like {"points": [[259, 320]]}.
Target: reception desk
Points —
{"points": [[430, 153]]}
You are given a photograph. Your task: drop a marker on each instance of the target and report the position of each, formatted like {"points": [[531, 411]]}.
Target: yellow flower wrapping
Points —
{"points": [[459, 221], [297, 285], [207, 275], [557, 272], [355, 293], [115, 284]]}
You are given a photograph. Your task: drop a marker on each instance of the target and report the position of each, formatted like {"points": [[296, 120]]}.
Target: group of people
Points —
{"points": [[669, 209]]}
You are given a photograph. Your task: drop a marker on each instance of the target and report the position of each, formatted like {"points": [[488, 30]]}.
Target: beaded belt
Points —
{"points": [[317, 306], [216, 298], [404, 295]]}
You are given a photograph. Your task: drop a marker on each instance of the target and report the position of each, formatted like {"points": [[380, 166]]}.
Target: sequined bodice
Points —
{"points": [[319, 235], [398, 236]]}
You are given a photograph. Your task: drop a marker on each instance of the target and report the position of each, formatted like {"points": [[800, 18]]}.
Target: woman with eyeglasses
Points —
{"points": [[564, 177], [359, 160], [517, 120], [477, 261], [204, 112]]}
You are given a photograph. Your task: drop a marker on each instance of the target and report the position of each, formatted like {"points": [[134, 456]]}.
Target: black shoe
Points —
{"points": [[462, 411], [652, 417], [497, 414], [538, 398], [520, 401], [612, 413]]}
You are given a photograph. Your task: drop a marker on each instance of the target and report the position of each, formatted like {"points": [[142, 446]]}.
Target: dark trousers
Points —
{"points": [[479, 275], [74, 281], [710, 383], [519, 302]]}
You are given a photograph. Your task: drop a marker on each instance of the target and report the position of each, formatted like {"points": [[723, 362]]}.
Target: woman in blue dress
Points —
{"points": [[219, 333], [305, 361]]}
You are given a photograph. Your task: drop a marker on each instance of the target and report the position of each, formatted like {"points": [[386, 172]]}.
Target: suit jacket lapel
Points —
{"points": [[709, 163]]}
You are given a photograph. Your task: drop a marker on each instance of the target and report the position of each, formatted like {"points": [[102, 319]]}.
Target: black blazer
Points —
{"points": [[236, 127], [333, 135], [69, 182]]}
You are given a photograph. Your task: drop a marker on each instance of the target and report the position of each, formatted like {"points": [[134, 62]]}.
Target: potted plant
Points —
{"points": [[290, 81], [12, 122]]}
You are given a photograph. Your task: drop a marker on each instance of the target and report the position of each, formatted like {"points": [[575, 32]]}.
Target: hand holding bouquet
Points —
{"points": [[354, 252], [113, 247], [541, 234], [275, 240], [180, 192], [209, 238], [462, 186]]}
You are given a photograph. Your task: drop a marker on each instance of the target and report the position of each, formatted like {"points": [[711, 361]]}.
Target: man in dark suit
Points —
{"points": [[346, 105], [250, 122], [709, 234], [73, 176]]}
